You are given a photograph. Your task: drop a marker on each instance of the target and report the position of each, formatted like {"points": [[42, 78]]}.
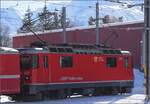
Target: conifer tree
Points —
{"points": [[49, 20], [27, 22], [45, 19]]}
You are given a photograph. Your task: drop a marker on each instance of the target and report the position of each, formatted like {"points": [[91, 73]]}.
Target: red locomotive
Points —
{"points": [[60, 71]]}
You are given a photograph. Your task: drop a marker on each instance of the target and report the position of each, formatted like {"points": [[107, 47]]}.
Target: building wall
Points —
{"points": [[124, 36]]}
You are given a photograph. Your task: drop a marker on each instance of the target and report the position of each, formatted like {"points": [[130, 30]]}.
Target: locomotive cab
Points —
{"points": [[28, 63], [33, 61]]}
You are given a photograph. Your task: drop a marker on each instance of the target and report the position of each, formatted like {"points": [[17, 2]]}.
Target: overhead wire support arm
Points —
{"points": [[43, 42]]}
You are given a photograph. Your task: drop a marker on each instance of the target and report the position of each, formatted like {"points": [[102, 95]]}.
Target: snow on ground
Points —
{"points": [[136, 97]]}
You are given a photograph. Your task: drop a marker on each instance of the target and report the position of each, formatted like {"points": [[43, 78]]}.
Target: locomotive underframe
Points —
{"points": [[33, 88]]}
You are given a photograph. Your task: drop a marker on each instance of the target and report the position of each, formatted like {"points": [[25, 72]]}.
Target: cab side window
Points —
{"points": [[111, 62], [126, 62], [66, 61], [45, 60], [35, 61]]}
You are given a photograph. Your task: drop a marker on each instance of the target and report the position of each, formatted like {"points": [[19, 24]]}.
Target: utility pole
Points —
{"points": [[45, 14], [97, 24], [64, 24], [147, 45]]}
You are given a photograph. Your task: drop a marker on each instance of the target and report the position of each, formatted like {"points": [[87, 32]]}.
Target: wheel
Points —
{"points": [[115, 91], [108, 91], [128, 90], [97, 92], [88, 92], [61, 94]]}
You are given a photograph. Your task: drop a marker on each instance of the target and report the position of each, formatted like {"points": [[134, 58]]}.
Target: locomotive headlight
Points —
{"points": [[27, 77]]}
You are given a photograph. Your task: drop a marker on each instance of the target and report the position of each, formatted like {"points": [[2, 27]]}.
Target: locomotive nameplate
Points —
{"points": [[68, 78]]}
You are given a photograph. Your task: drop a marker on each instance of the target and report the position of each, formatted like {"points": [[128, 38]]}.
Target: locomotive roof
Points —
{"points": [[74, 48], [32, 50], [7, 50], [83, 49]]}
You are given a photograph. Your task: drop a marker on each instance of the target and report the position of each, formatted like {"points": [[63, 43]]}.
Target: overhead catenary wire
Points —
{"points": [[42, 41]]}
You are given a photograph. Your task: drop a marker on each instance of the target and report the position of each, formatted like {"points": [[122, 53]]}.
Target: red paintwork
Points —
{"points": [[129, 37], [84, 69], [9, 66]]}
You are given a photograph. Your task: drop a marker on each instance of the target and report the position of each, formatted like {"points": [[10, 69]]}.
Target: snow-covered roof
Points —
{"points": [[7, 50], [79, 28]]}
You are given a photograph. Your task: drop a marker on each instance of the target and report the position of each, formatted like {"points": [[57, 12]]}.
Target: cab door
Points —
{"points": [[45, 68]]}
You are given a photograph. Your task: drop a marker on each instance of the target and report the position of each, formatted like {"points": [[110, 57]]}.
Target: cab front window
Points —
{"points": [[29, 61]]}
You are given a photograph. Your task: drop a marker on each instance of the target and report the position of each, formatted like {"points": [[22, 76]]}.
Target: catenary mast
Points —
{"points": [[146, 45]]}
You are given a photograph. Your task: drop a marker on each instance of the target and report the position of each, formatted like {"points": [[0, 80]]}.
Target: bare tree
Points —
{"points": [[5, 39]]}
